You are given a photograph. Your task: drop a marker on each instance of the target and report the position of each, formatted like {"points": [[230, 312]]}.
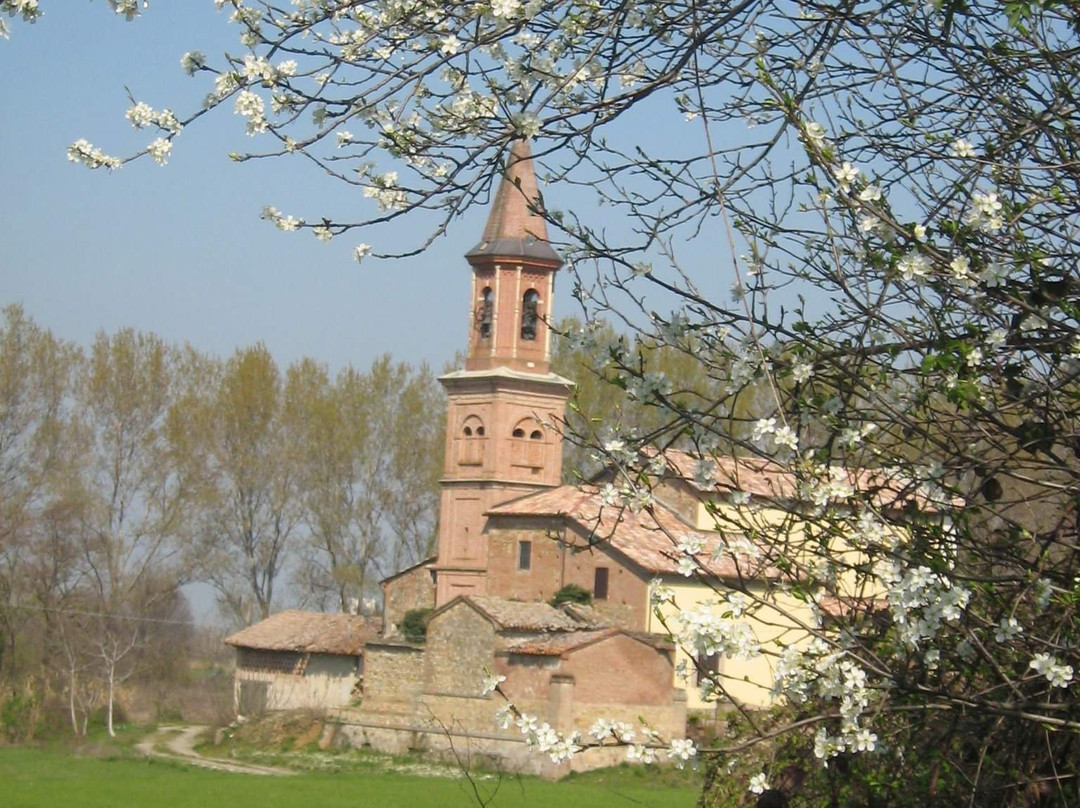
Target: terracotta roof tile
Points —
{"points": [[309, 632], [522, 616], [760, 477], [560, 644], [648, 538]]}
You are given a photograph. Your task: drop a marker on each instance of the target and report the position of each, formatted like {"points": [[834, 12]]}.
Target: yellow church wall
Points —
{"points": [[776, 618], [769, 524]]}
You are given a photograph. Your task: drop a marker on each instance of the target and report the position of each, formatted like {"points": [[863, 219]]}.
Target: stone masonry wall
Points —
{"points": [[414, 589], [460, 645], [393, 678]]}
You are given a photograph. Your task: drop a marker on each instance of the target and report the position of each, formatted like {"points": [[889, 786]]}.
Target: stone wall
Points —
{"points": [[412, 589], [393, 677], [460, 646]]}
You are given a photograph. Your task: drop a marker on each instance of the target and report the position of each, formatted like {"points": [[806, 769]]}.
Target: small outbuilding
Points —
{"points": [[294, 660]]}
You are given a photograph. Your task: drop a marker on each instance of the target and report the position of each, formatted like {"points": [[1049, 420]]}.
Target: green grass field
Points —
{"points": [[44, 778]]}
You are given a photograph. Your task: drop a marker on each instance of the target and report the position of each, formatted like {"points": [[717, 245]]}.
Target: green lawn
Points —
{"points": [[31, 777]]}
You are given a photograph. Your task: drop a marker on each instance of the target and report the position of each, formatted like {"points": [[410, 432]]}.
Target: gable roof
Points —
{"points": [[564, 644], [516, 615], [427, 562], [649, 538], [309, 632]]}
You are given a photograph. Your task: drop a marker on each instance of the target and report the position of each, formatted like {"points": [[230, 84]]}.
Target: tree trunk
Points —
{"points": [[71, 703], [109, 712]]}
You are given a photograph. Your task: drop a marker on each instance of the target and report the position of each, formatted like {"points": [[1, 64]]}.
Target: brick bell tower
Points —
{"points": [[504, 408]]}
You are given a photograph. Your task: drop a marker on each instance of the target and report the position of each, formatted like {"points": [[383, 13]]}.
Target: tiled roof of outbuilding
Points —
{"points": [[309, 632], [522, 616], [560, 644]]}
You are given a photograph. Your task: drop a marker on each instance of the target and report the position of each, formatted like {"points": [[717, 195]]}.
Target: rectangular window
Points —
{"points": [[524, 555], [708, 667], [600, 581]]}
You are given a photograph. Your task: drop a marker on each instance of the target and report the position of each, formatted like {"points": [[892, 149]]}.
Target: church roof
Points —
{"points": [[768, 479], [649, 538], [514, 228], [309, 632]]}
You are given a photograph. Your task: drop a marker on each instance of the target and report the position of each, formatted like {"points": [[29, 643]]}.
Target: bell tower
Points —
{"points": [[504, 409]]}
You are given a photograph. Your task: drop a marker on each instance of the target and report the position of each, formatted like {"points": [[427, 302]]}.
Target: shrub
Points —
{"points": [[572, 593], [413, 625]]}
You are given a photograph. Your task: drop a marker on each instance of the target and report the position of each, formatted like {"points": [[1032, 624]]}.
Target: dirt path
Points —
{"points": [[182, 747]]}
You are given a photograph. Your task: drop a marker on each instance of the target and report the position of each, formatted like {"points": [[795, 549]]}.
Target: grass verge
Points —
{"points": [[46, 777]]}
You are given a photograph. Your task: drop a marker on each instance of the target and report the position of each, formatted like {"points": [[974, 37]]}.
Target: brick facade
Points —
{"points": [[562, 555]]}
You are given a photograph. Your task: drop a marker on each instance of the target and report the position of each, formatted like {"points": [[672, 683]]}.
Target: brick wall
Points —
{"points": [[620, 670], [677, 496], [319, 681], [554, 565]]}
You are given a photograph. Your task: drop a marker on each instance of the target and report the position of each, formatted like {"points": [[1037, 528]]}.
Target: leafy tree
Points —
{"points": [[891, 192], [132, 501], [413, 625], [36, 377], [249, 506], [370, 452]]}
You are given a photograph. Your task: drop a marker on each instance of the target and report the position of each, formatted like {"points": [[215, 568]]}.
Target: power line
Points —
{"points": [[81, 613]]}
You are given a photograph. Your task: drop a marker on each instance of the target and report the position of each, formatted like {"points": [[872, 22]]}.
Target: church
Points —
{"points": [[511, 536]]}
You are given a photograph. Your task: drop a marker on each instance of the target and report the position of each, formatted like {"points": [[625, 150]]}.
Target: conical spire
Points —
{"points": [[513, 229]]}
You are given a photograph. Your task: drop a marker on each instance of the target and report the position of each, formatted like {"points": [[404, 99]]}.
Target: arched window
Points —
{"points": [[471, 443], [530, 314], [527, 446], [487, 305]]}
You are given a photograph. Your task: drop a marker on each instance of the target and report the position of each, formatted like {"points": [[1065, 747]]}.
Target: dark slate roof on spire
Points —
{"points": [[512, 228]]}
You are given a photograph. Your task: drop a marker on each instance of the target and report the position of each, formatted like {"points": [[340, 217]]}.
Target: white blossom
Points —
{"points": [[681, 750], [1007, 628], [82, 151], [251, 106], [962, 148], [913, 265], [984, 212], [871, 193], [491, 682], [845, 175], [763, 427], [1056, 674], [160, 150], [759, 784]]}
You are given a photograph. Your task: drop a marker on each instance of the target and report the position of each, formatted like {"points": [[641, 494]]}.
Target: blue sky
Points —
{"points": [[180, 250]]}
